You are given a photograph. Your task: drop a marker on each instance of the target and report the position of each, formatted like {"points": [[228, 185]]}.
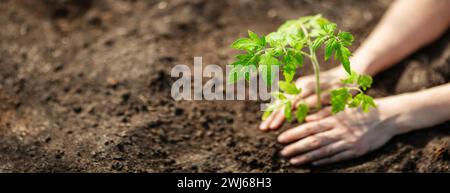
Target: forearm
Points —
{"points": [[420, 109], [406, 26]]}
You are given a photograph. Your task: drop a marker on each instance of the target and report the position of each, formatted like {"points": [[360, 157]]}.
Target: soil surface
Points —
{"points": [[85, 87]]}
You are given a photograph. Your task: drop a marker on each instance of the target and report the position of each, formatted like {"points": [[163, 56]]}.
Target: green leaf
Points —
{"points": [[292, 59], [329, 28], [253, 36], [288, 74], [288, 111], [343, 54], [268, 60], [298, 42], [363, 101], [365, 81], [329, 48], [302, 112], [245, 44], [289, 87], [276, 39], [339, 99], [265, 65], [261, 41], [296, 58], [318, 42], [351, 78], [346, 38], [268, 111], [275, 51]]}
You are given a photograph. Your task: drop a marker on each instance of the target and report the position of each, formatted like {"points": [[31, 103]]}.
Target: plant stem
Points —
{"points": [[316, 68]]}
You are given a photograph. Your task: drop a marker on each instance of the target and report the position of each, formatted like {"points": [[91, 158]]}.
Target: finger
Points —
{"points": [[303, 131], [345, 155], [277, 120], [311, 101], [264, 126], [308, 144], [324, 151], [319, 115]]}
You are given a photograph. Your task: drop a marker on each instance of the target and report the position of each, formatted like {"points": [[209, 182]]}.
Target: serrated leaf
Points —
{"points": [[364, 81], [329, 48], [301, 112], [352, 78], [244, 44], [318, 42], [276, 39], [363, 101], [297, 58], [339, 99], [329, 28], [288, 111], [292, 59], [288, 74], [346, 38], [289, 87], [261, 41], [343, 54], [298, 42], [265, 65], [253, 36], [268, 59], [275, 51]]}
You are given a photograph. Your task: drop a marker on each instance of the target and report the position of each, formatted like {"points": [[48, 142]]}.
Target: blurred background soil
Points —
{"points": [[85, 87]]}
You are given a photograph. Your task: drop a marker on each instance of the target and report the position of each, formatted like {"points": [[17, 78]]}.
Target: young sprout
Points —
{"points": [[286, 48]]}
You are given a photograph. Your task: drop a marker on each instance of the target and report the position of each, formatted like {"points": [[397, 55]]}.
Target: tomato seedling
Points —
{"points": [[286, 48]]}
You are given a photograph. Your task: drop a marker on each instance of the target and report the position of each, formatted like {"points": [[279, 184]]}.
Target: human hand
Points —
{"points": [[327, 138]]}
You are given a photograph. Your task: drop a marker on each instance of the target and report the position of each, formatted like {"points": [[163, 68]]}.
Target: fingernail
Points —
{"points": [[274, 124], [281, 139], [298, 161], [292, 162], [309, 118], [263, 126], [283, 153]]}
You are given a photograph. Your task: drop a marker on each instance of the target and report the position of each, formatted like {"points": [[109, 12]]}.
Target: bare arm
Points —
{"points": [[406, 26], [432, 109]]}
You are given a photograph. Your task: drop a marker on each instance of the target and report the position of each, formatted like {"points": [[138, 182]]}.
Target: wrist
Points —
{"points": [[363, 62], [405, 114]]}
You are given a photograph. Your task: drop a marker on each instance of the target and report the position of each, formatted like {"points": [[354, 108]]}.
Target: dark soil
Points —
{"points": [[85, 87]]}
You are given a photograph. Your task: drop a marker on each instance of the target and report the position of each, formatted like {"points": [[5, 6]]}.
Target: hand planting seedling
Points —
{"points": [[286, 49]]}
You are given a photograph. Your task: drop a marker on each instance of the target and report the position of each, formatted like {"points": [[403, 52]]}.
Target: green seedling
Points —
{"points": [[287, 48]]}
